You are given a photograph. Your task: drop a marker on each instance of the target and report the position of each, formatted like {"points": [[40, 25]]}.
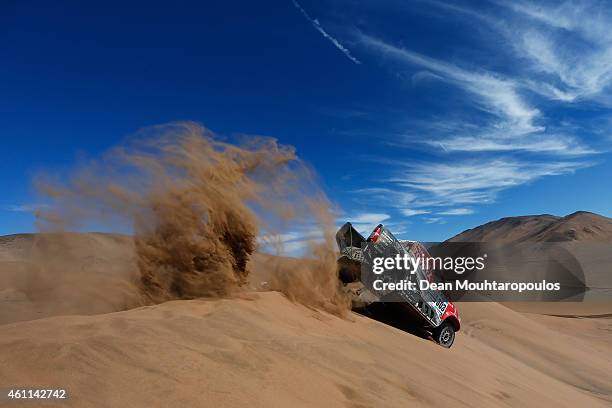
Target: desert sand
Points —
{"points": [[261, 349]]}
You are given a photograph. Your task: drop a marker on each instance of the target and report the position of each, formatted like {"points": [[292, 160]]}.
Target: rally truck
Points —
{"points": [[425, 308]]}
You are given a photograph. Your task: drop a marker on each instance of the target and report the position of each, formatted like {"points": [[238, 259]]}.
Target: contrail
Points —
{"points": [[315, 23]]}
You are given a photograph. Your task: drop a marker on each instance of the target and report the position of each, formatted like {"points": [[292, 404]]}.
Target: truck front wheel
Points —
{"points": [[444, 334]]}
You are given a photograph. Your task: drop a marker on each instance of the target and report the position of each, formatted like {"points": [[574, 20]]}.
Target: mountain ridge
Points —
{"points": [[577, 226]]}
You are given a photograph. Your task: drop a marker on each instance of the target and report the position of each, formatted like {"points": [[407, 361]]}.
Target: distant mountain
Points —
{"points": [[579, 226]]}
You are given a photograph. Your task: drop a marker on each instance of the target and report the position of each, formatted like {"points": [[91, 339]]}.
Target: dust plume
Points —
{"points": [[196, 206], [312, 280], [62, 273]]}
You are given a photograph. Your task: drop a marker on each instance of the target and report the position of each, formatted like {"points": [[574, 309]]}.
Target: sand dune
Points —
{"points": [[267, 351], [61, 326]]}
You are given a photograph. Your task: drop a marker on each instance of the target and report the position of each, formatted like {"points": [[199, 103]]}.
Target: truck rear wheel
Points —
{"points": [[444, 334]]}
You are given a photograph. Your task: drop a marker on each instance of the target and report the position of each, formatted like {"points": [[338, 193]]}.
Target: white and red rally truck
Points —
{"points": [[428, 309]]}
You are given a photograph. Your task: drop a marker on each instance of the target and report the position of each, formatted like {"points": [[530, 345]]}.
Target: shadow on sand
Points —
{"points": [[392, 314]]}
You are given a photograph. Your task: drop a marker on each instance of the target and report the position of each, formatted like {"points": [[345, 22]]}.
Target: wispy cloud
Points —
{"points": [[457, 211], [434, 220], [385, 196], [569, 46], [553, 144], [317, 26], [574, 75], [511, 127], [26, 207], [497, 94], [473, 182], [466, 11], [370, 218], [295, 242], [364, 222], [514, 126], [570, 42], [413, 188], [409, 212], [556, 18]]}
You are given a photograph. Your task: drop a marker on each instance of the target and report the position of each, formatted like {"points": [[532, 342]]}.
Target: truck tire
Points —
{"points": [[444, 334]]}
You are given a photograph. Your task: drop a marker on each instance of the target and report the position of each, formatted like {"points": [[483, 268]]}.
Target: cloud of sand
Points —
{"points": [[196, 206], [311, 281], [53, 274]]}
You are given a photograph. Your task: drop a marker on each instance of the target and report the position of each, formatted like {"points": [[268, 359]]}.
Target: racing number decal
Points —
{"points": [[441, 306]]}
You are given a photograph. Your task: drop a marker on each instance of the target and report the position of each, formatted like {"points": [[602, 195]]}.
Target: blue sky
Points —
{"points": [[427, 116]]}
